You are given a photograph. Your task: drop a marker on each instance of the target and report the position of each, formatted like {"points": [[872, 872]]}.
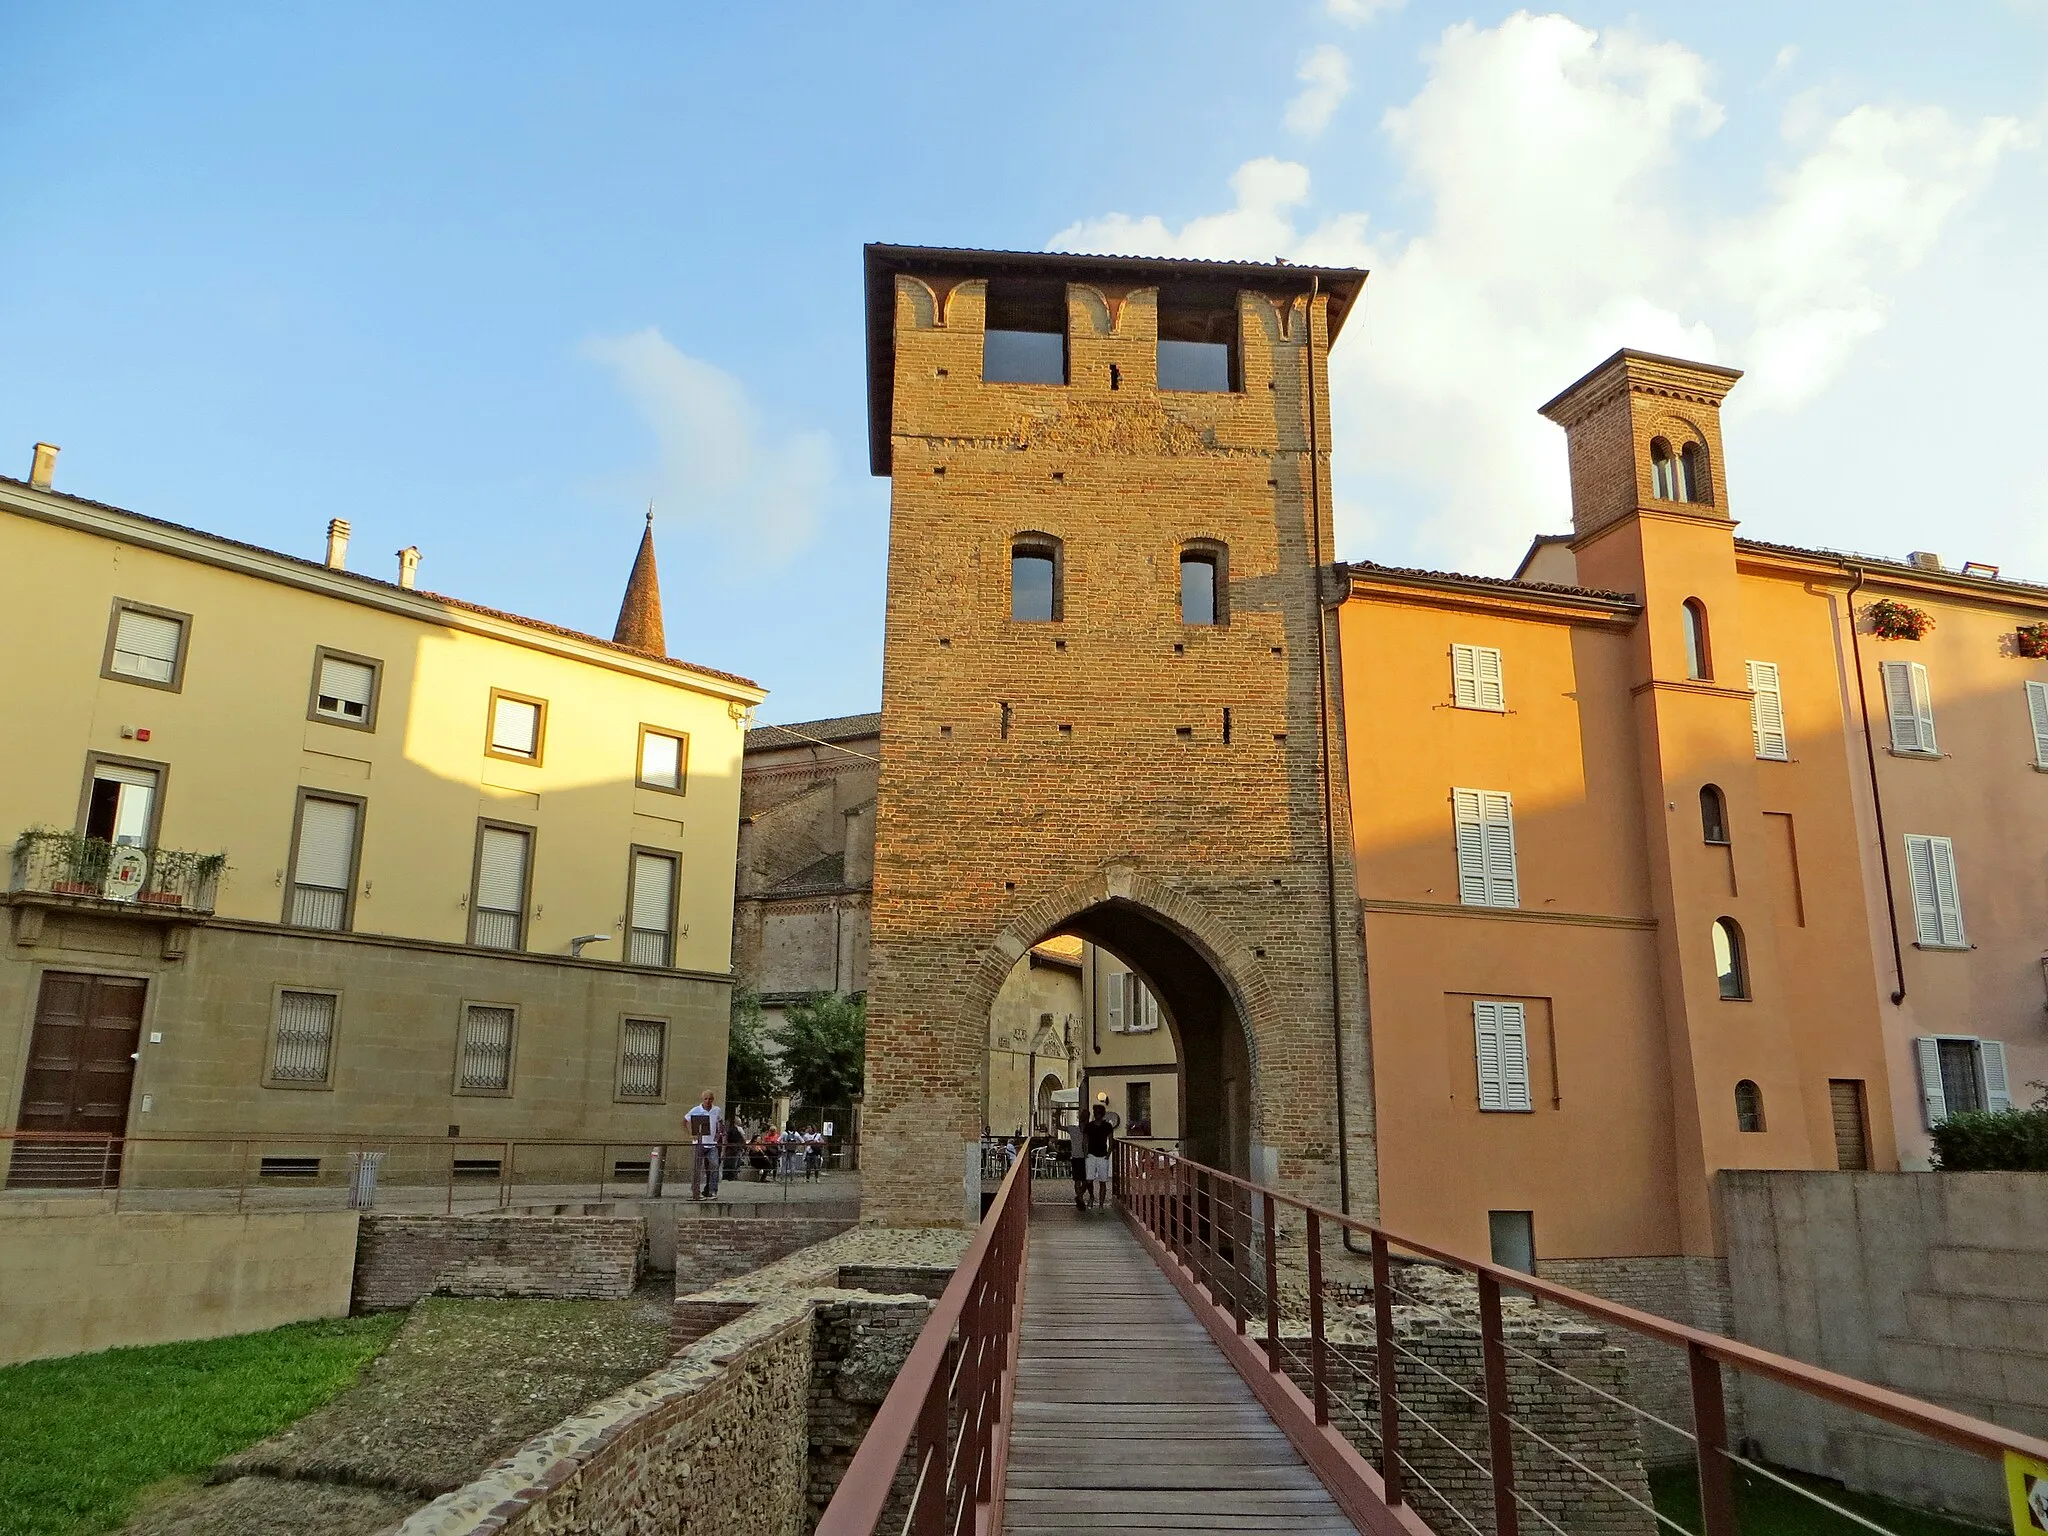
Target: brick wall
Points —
{"points": [[896, 1279], [1075, 776], [714, 1248], [399, 1259]]}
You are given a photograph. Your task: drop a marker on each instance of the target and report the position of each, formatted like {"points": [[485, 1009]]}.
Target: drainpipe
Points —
{"points": [[1884, 842], [1315, 496]]}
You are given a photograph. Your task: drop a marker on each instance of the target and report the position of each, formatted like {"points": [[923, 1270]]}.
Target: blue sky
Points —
{"points": [[486, 279]]}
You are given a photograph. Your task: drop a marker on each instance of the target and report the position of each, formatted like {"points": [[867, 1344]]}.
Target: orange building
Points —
{"points": [[1634, 833]]}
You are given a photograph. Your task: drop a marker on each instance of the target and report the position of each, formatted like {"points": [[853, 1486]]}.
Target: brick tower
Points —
{"points": [[1107, 695]]}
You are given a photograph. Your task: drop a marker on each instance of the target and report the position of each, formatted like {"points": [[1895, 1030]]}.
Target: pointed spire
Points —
{"points": [[640, 614]]}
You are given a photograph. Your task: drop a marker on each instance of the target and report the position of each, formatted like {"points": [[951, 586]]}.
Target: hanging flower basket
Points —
{"points": [[2031, 640], [1891, 620]]}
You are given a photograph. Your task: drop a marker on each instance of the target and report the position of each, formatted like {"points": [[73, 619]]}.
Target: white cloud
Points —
{"points": [[1356, 13], [1564, 215], [1325, 77], [714, 467]]}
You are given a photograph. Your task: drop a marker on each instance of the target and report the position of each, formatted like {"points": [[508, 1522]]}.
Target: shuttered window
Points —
{"points": [[1500, 1033], [642, 1055], [1115, 998], [1486, 847], [650, 938], [2037, 714], [1910, 706], [484, 1060], [303, 1047], [1476, 677], [1767, 712], [146, 646], [1937, 901], [323, 865], [499, 921], [662, 758], [515, 726], [345, 690], [1959, 1074]]}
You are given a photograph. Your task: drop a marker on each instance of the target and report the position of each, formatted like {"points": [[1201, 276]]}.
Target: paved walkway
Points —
{"points": [[1128, 1419]]}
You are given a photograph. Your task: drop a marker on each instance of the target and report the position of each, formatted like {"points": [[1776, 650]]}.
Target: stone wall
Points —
{"points": [[77, 1275], [1935, 1284], [858, 1346], [714, 1248], [399, 1259]]}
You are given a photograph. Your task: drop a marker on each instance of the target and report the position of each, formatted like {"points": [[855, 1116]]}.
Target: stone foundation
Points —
{"points": [[399, 1259]]}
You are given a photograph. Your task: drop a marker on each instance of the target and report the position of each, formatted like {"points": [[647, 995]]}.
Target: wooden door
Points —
{"points": [[1852, 1133], [80, 1069]]}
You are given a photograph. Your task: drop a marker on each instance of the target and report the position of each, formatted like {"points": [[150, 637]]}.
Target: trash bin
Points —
{"points": [[362, 1179]]}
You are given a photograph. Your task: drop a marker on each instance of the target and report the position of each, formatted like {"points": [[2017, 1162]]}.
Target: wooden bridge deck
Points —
{"points": [[1127, 1418]]}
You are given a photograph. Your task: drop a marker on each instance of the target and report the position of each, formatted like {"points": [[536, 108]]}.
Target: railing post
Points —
{"points": [[1710, 1431], [1272, 1282], [1315, 1318], [1390, 1403], [1499, 1433]]}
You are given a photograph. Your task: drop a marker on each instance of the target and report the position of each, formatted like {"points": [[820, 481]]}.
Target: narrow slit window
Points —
{"points": [[1713, 814], [1699, 661], [1731, 966], [1692, 473]]}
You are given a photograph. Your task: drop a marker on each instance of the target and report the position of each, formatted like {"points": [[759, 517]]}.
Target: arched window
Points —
{"points": [[1663, 471], [1035, 578], [1731, 968], [1204, 582], [1699, 659], [1749, 1106], [1692, 474], [1713, 814]]}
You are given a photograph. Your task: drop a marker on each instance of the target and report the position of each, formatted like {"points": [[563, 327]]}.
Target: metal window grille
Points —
{"points": [[640, 1063], [305, 1037], [486, 1064]]}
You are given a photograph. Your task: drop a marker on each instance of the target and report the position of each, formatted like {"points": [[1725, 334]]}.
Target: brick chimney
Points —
{"points": [[337, 544], [42, 467], [408, 566]]}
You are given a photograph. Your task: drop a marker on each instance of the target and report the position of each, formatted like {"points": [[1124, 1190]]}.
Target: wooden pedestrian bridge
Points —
{"points": [[1177, 1363]]}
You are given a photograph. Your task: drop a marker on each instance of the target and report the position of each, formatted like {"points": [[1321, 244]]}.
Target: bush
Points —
{"points": [[1994, 1141]]}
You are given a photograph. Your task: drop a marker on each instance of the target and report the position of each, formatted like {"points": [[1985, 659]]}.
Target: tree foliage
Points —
{"points": [[825, 1046], [751, 1072]]}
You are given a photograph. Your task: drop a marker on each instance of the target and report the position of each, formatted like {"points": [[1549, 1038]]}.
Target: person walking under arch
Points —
{"points": [[1100, 1137]]}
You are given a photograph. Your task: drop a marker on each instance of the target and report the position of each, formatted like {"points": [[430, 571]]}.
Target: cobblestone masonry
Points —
{"points": [[1079, 776], [399, 1259]]}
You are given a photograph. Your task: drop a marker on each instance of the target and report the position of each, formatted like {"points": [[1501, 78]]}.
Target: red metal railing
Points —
{"points": [[933, 1461], [1218, 1238]]}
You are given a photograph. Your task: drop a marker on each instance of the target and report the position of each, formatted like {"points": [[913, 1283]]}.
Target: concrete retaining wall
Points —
{"points": [[77, 1276], [1933, 1283], [399, 1259]]}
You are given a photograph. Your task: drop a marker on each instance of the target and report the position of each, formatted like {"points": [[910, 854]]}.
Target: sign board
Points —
{"points": [[828, 1127], [126, 871], [2026, 1480]]}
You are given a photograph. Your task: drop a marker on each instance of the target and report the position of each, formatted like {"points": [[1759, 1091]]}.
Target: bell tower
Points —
{"points": [[1108, 695]]}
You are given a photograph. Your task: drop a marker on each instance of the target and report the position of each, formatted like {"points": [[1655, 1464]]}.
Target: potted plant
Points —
{"points": [[2031, 640], [1894, 620]]}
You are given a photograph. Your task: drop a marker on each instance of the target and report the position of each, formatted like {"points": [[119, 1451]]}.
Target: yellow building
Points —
{"points": [[302, 852]]}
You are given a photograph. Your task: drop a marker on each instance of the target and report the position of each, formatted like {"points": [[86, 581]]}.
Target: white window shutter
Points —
{"points": [[661, 760], [501, 871], [1920, 877], [515, 727], [327, 843], [1948, 899], [1114, 995], [1471, 832], [2037, 712], [1514, 1057], [1933, 1102], [1465, 676], [653, 891], [146, 645], [1923, 708], [1486, 662], [1767, 711], [1898, 705], [1502, 886], [1486, 1045], [1997, 1086]]}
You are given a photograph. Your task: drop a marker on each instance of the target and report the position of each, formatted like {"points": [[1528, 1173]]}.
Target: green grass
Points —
{"points": [[1764, 1508], [81, 1437]]}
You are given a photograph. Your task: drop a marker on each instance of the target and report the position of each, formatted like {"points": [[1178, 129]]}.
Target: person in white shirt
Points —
{"points": [[707, 1132]]}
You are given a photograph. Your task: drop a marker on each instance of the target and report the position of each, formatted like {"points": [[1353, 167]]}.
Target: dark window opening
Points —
{"points": [[1137, 1109], [1512, 1239], [288, 1168], [1197, 589], [1198, 343], [1226, 727], [1663, 471], [1730, 969], [479, 1168], [1962, 1083], [1035, 580], [1692, 474], [1713, 814], [1006, 722], [1749, 1106], [1699, 660], [1026, 333], [1116, 377]]}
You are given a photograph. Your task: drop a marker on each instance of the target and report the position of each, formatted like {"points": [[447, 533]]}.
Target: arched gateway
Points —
{"points": [[1107, 695]]}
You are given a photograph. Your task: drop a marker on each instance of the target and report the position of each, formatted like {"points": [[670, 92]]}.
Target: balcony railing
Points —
{"points": [[70, 866]]}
